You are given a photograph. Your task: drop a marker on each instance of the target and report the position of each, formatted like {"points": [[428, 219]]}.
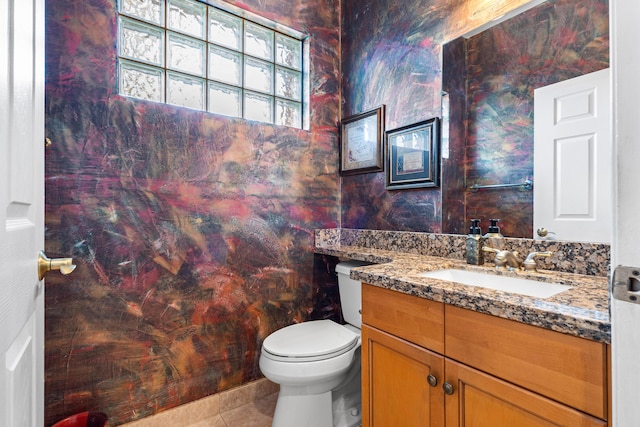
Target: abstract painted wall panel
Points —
{"points": [[193, 233]]}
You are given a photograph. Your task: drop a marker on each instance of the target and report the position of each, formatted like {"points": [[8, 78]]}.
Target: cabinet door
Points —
{"points": [[395, 382], [479, 399]]}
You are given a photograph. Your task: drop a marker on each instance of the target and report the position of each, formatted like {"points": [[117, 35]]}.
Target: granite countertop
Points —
{"points": [[581, 311]]}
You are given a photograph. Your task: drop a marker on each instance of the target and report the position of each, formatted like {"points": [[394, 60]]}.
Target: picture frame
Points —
{"points": [[412, 154], [361, 139]]}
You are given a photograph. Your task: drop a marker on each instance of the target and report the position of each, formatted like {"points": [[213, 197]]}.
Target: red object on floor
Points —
{"points": [[84, 419]]}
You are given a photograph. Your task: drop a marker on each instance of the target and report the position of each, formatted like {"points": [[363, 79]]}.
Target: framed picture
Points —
{"points": [[361, 142], [412, 155]]}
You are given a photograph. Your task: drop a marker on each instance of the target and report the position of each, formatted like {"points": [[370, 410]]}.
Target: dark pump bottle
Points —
{"points": [[493, 238], [494, 230], [475, 241]]}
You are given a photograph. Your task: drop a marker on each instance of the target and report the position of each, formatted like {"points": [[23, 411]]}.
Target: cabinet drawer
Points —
{"points": [[414, 319], [568, 369]]}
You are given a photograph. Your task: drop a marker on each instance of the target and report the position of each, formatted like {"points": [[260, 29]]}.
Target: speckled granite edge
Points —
{"points": [[327, 237], [582, 311], [592, 259]]}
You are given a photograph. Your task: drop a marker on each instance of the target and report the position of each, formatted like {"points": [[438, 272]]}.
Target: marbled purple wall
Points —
{"points": [[391, 55], [193, 233]]}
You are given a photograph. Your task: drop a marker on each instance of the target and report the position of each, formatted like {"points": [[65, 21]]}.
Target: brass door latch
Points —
{"points": [[65, 265]]}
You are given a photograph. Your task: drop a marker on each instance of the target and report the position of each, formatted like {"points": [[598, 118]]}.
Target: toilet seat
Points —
{"points": [[309, 341]]}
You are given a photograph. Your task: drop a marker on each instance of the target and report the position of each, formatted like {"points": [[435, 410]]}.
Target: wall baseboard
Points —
{"points": [[210, 407]]}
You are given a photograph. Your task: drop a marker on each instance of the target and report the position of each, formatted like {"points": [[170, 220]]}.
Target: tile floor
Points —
{"points": [[250, 405], [258, 413]]}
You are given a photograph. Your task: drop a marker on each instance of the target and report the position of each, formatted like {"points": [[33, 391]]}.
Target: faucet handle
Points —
{"points": [[529, 264], [500, 259]]}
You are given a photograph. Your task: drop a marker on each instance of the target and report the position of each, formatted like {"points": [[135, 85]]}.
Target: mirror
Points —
{"points": [[488, 81]]}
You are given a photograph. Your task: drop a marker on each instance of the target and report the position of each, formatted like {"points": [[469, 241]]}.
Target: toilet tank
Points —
{"points": [[350, 292]]}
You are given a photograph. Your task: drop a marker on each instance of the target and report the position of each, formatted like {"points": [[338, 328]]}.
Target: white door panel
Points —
{"points": [[574, 186], [625, 250], [21, 212], [573, 158]]}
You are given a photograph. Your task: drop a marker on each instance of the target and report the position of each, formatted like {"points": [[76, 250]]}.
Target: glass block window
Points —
{"points": [[196, 55]]}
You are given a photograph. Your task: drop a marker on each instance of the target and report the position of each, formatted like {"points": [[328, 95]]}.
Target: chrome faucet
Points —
{"points": [[505, 258]]}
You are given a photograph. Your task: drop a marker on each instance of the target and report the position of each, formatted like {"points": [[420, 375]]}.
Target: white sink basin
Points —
{"points": [[514, 285]]}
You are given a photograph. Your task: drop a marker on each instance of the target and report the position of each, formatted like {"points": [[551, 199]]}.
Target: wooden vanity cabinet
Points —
{"points": [[425, 363]]}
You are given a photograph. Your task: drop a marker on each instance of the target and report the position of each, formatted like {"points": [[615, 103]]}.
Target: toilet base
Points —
{"points": [[347, 399], [299, 406], [307, 410]]}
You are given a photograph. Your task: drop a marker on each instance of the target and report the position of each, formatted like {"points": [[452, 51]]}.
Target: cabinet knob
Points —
{"points": [[432, 380], [448, 388]]}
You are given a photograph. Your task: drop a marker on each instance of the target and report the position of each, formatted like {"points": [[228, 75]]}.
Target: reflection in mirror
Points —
{"points": [[489, 79]]}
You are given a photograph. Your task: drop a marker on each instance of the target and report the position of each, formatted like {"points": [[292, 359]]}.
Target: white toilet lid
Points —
{"points": [[310, 340]]}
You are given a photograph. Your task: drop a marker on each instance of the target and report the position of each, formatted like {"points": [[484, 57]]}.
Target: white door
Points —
{"points": [[572, 160], [21, 212], [625, 17]]}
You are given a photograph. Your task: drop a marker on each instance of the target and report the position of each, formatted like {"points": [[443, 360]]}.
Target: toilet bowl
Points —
{"points": [[317, 364]]}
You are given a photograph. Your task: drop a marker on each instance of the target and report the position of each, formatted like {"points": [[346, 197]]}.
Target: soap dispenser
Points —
{"points": [[493, 238], [475, 242]]}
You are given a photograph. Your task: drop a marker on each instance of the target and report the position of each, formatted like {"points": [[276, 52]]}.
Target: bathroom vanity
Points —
{"points": [[425, 362], [442, 353]]}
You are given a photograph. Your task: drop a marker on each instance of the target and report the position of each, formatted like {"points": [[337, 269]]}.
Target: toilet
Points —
{"points": [[317, 364]]}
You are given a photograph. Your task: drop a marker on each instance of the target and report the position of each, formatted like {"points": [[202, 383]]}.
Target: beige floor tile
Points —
{"points": [[202, 409], [256, 414], [216, 421], [265, 387]]}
